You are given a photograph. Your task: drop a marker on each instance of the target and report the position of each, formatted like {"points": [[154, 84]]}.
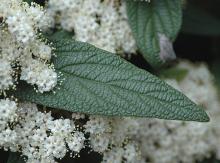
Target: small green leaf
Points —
{"points": [[15, 158], [99, 82], [174, 73], [155, 24]]}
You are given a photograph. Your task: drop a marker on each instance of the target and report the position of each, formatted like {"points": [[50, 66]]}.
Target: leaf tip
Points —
{"points": [[202, 116], [206, 117]]}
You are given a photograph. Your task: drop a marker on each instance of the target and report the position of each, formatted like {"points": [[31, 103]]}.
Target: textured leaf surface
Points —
{"points": [[99, 82], [148, 20]]}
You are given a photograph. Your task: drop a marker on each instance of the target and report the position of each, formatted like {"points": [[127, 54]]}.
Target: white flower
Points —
{"points": [[38, 73], [114, 155], [55, 146], [7, 110], [60, 127], [130, 152], [100, 143], [43, 51], [96, 125], [5, 75], [19, 44], [8, 139], [38, 137], [93, 21], [76, 141], [20, 27]]}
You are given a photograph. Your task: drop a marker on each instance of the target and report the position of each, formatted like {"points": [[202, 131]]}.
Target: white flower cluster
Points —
{"points": [[20, 45], [110, 137], [7, 112], [23, 20], [159, 141], [163, 141], [38, 135], [42, 138], [5, 75], [23, 54], [102, 23], [175, 141], [36, 72]]}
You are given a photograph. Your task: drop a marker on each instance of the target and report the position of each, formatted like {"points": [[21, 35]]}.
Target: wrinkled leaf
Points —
{"points": [[155, 25], [99, 82]]}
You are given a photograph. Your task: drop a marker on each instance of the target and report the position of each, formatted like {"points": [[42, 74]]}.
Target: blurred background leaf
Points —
{"points": [[15, 157], [199, 21]]}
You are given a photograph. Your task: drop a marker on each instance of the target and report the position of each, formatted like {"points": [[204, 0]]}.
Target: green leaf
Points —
{"points": [[174, 73], [61, 34], [15, 158], [200, 22], [215, 68], [210, 160], [99, 82], [28, 1], [150, 21]]}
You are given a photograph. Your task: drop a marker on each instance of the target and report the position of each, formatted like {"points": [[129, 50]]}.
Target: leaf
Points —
{"points": [[15, 158], [28, 1], [174, 73], [215, 68], [200, 22], [61, 34], [99, 82], [149, 21], [212, 159]]}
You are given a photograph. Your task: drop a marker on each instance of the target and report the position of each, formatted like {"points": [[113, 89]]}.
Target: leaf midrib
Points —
{"points": [[137, 93]]}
